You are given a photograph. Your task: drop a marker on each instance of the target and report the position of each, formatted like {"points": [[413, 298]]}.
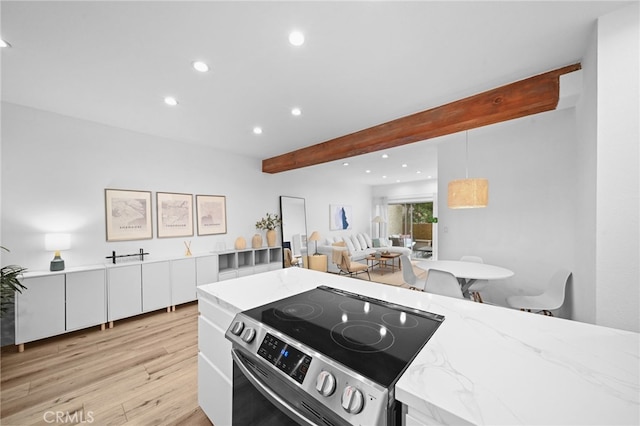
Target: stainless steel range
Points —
{"points": [[324, 357]]}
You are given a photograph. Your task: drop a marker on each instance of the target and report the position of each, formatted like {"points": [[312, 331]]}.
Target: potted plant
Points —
{"points": [[9, 284], [269, 223]]}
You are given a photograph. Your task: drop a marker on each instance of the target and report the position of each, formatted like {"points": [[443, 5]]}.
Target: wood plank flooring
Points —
{"points": [[141, 372]]}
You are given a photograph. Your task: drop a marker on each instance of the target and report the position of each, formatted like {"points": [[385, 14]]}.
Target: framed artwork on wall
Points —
{"points": [[175, 214], [128, 215], [339, 217], [212, 214]]}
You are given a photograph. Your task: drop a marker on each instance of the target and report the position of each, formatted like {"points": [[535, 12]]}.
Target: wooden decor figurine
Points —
{"points": [[188, 246]]}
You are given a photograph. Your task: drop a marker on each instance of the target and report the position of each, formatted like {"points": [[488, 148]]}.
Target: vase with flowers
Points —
{"points": [[269, 223]]}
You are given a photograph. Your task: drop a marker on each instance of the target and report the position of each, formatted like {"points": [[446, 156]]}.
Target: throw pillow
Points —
{"points": [[362, 241], [376, 242], [367, 238], [356, 243], [349, 244]]}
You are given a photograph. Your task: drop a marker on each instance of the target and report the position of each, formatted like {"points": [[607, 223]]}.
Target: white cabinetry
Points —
{"points": [[124, 284], [156, 286], [206, 269], [76, 298], [183, 281], [56, 302], [86, 296], [241, 263], [215, 368], [40, 308]]}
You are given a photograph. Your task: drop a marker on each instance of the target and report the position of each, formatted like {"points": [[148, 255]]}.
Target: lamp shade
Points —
{"points": [[57, 242], [468, 193], [315, 236]]}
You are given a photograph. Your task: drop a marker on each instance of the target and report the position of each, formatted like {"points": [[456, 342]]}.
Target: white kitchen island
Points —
{"points": [[484, 365]]}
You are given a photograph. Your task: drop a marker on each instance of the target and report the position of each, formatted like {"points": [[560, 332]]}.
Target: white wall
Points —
{"points": [[618, 186], [55, 170], [528, 224]]}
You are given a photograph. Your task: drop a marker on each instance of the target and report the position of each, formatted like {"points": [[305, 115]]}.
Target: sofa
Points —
{"points": [[359, 246]]}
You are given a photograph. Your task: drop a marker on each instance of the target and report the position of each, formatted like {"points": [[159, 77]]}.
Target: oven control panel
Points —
{"points": [[288, 359]]}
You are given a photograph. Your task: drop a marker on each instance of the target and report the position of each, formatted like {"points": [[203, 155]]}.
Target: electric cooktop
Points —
{"points": [[375, 338]]}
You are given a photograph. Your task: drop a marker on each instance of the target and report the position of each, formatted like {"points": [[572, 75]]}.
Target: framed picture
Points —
{"points": [[212, 214], [339, 217], [128, 215], [175, 214]]}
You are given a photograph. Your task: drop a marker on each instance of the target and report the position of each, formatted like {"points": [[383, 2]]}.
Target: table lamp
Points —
{"points": [[57, 243], [315, 236]]}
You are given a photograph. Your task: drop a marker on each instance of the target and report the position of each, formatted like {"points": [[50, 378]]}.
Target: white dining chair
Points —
{"points": [[475, 288], [552, 298], [408, 275], [443, 283]]}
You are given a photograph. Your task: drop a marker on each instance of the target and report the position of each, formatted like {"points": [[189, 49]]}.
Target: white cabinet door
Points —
{"points": [[86, 299], [124, 289], [156, 286], [206, 270], [183, 281], [39, 309]]}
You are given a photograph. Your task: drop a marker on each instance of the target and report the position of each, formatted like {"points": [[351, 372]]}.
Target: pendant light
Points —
{"points": [[468, 193]]}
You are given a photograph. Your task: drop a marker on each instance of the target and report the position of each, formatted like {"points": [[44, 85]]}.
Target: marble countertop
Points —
{"points": [[486, 364]]}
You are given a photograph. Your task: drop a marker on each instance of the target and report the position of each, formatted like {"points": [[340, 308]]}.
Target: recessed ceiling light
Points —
{"points": [[345, 163], [418, 172], [296, 38], [367, 171], [397, 180], [170, 100], [4, 43], [200, 66], [296, 111], [385, 156], [257, 130], [429, 177], [384, 177], [404, 165]]}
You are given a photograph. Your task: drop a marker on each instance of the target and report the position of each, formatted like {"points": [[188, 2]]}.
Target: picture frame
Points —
{"points": [[340, 217], [174, 214], [211, 212], [128, 215]]}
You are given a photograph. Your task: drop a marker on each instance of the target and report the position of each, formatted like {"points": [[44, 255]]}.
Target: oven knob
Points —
{"points": [[237, 328], [248, 335], [352, 400], [325, 383]]}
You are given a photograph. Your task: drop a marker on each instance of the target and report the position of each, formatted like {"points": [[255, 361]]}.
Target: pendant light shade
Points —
{"points": [[468, 193]]}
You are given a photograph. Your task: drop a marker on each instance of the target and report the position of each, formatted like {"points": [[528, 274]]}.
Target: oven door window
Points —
{"points": [[251, 408]]}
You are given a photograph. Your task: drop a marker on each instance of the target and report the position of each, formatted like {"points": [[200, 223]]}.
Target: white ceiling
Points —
{"points": [[363, 63]]}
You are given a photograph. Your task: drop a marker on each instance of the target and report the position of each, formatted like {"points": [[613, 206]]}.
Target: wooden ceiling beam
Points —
{"points": [[525, 97]]}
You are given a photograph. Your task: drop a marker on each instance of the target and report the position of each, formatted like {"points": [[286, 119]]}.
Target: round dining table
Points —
{"points": [[467, 272]]}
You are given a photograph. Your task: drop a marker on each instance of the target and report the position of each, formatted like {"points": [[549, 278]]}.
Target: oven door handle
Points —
{"points": [[269, 394]]}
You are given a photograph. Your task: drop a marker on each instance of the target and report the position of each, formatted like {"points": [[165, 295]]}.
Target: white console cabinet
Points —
{"points": [[183, 281], [57, 302], [76, 298]]}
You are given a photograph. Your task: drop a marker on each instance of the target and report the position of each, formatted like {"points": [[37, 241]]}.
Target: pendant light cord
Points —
{"points": [[466, 165]]}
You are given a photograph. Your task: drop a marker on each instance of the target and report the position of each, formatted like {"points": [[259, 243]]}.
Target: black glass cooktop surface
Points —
{"points": [[374, 338]]}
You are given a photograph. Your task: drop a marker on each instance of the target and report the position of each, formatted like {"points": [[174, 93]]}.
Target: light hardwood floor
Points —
{"points": [[141, 372]]}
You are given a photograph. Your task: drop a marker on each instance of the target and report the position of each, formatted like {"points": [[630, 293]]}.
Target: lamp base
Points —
{"points": [[57, 264]]}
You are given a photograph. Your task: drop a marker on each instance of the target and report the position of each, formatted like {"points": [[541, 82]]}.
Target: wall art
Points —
{"points": [[340, 217], [212, 214], [128, 215], [175, 214]]}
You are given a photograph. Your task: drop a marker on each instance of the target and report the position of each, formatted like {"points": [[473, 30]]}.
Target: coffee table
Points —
{"points": [[385, 261]]}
